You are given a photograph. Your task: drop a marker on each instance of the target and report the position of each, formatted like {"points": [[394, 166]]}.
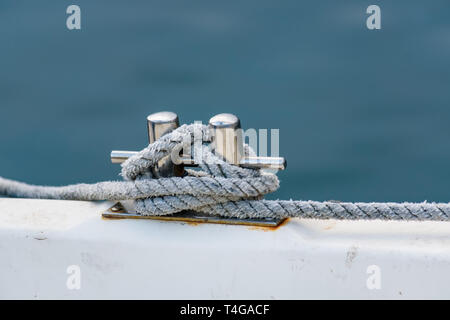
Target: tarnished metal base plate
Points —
{"points": [[118, 211]]}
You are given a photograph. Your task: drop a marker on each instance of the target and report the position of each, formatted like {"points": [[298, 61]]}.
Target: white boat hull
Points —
{"points": [[44, 244]]}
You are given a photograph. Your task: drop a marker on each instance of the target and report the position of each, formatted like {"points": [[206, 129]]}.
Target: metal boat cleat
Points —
{"points": [[227, 142]]}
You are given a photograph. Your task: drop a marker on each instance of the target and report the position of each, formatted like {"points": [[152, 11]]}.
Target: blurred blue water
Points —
{"points": [[363, 115]]}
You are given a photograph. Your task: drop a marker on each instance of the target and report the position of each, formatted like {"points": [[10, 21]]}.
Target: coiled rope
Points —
{"points": [[218, 188]]}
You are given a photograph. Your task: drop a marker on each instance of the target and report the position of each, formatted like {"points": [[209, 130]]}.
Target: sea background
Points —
{"points": [[363, 115]]}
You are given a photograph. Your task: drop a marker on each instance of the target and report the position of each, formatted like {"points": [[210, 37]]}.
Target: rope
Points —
{"points": [[217, 188]]}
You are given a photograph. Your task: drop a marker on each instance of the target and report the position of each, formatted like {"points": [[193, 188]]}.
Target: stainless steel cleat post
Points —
{"points": [[158, 124], [228, 142]]}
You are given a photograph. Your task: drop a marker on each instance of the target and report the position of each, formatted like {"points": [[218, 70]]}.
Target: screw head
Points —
{"points": [[117, 208]]}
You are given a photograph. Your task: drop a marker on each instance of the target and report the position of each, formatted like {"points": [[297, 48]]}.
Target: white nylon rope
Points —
{"points": [[219, 188]]}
